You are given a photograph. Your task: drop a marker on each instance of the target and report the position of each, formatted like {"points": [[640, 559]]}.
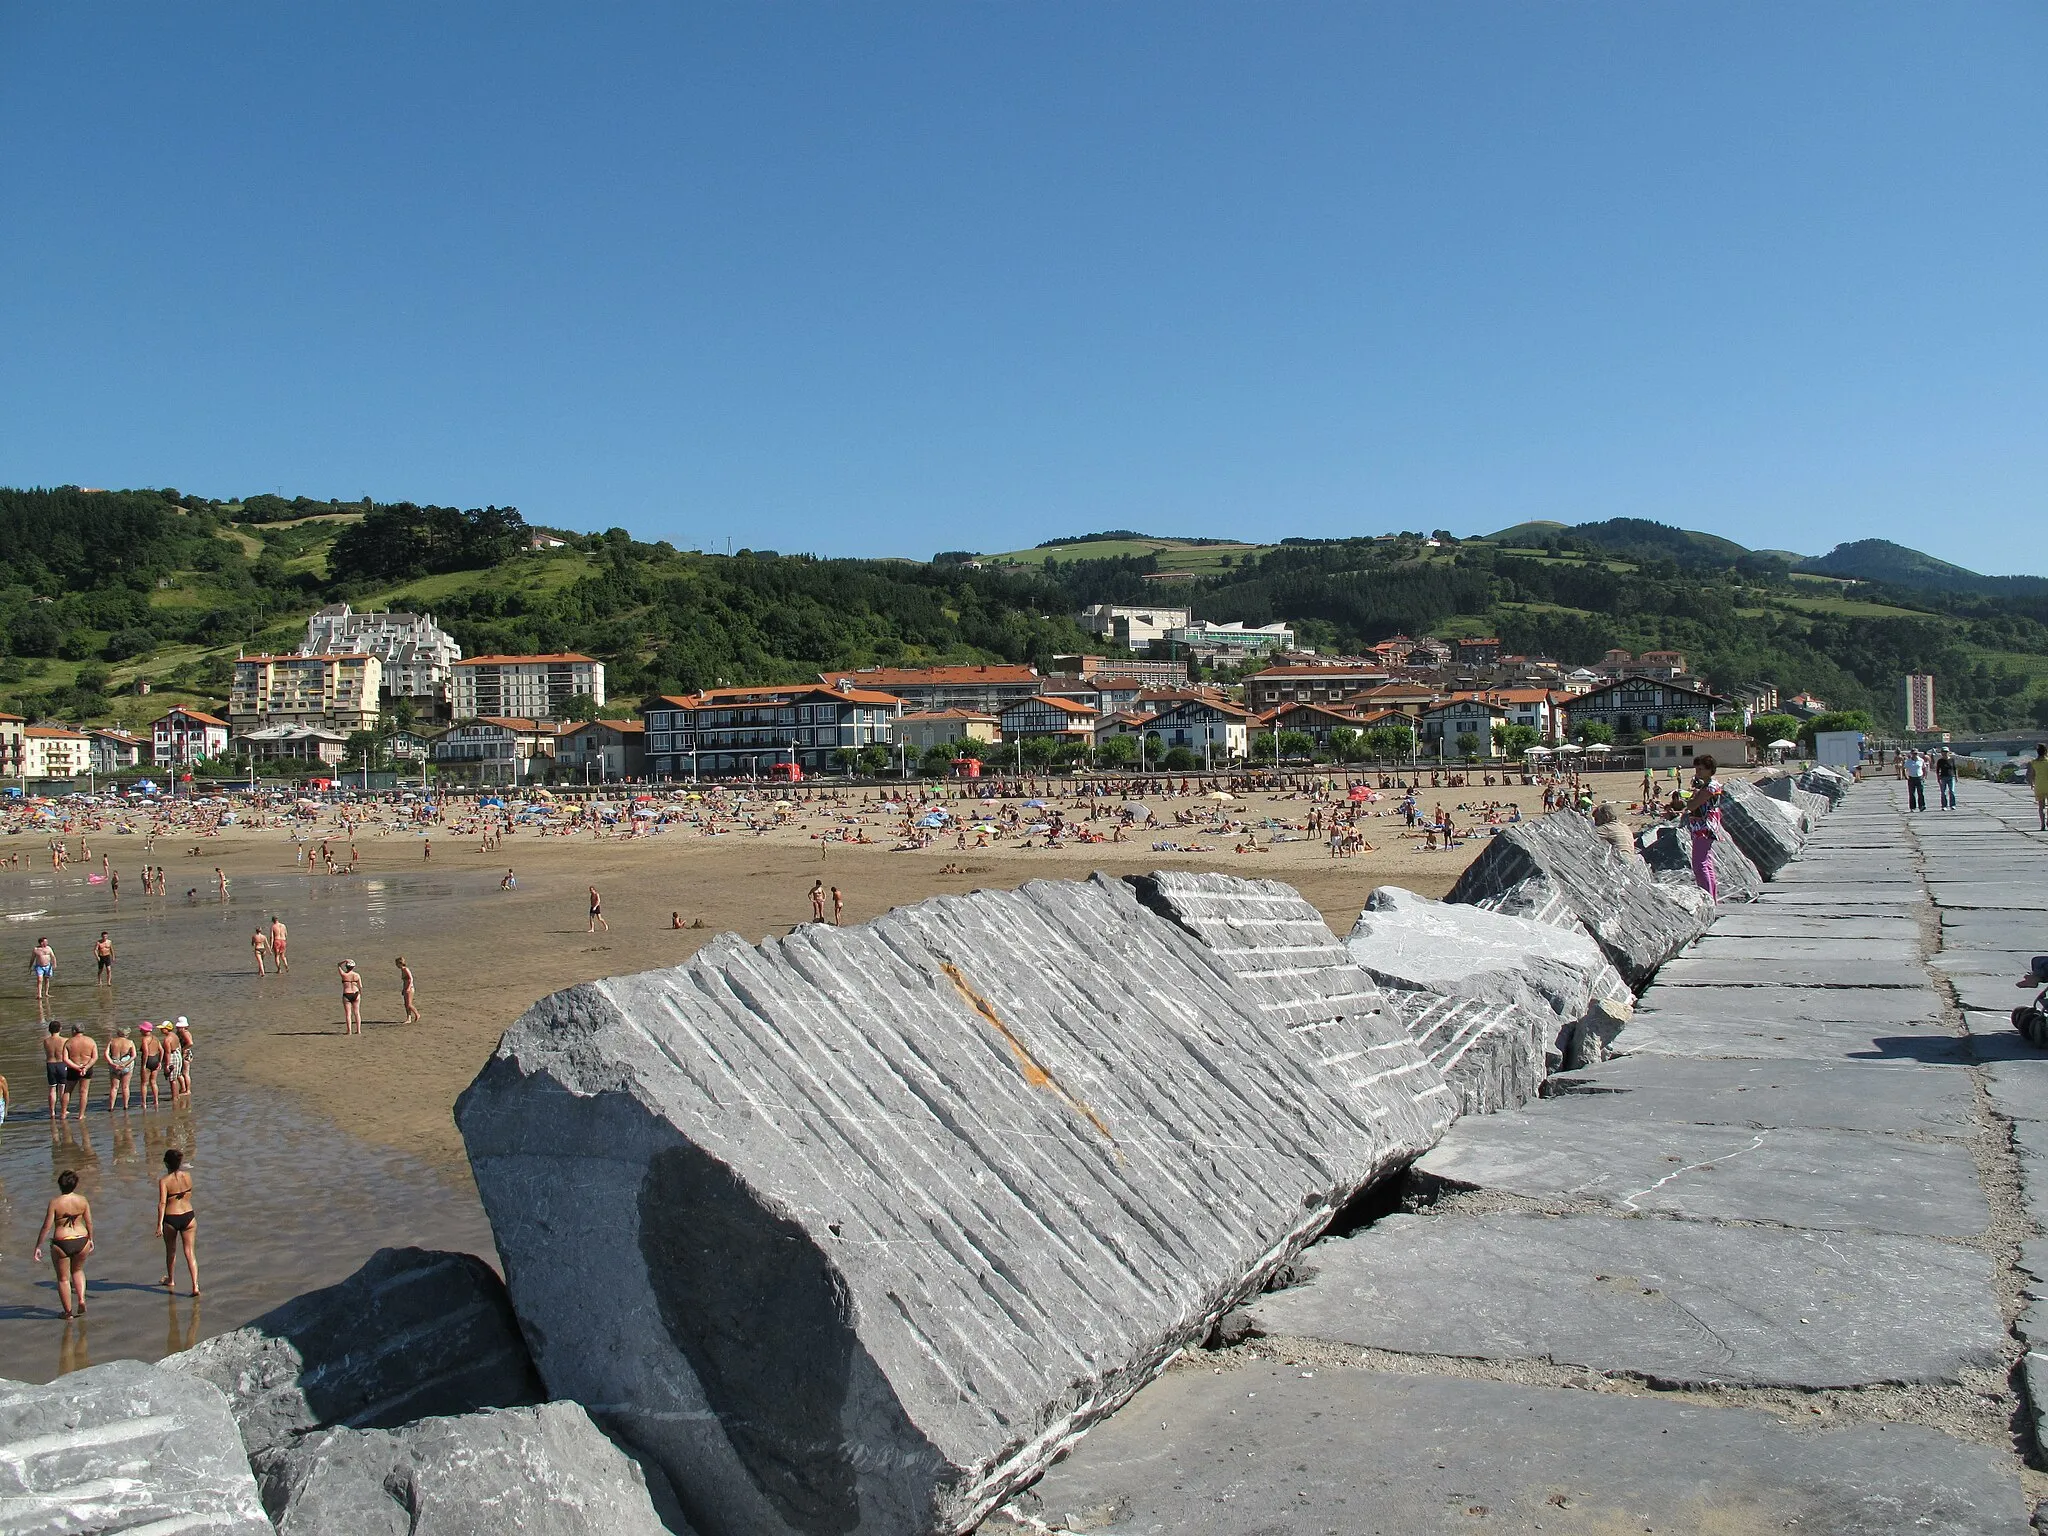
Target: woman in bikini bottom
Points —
{"points": [[68, 1225], [175, 1218]]}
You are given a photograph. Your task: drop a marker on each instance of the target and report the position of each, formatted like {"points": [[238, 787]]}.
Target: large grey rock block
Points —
{"points": [[545, 1471], [1787, 790], [1769, 832], [1825, 782], [1535, 868], [411, 1333], [1668, 853], [856, 1230], [124, 1447], [1494, 1055]]}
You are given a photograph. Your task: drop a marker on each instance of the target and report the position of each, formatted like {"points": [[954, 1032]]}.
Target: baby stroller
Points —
{"points": [[2031, 1019]]}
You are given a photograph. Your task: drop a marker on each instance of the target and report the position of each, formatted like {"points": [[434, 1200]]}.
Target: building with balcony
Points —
{"points": [[1267, 690], [341, 691], [291, 742], [114, 750], [502, 750], [930, 728], [523, 687], [985, 690], [1050, 715], [1642, 706], [1216, 728], [1153, 674], [13, 745], [747, 731], [418, 656], [185, 736], [53, 752], [1445, 725]]}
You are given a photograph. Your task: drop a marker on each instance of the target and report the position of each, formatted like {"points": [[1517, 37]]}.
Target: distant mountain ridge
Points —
{"points": [[1895, 565]]}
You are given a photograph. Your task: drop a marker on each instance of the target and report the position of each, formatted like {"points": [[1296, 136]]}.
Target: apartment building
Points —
{"points": [[1217, 728], [417, 654], [292, 742], [1267, 690], [748, 731], [943, 727], [52, 752], [341, 691], [1050, 715], [1443, 725], [522, 687], [1153, 674], [1642, 706], [1132, 628], [985, 690], [13, 745], [185, 736], [502, 750], [604, 749], [114, 750]]}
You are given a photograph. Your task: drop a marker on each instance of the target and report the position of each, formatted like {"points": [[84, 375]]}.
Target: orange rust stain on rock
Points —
{"points": [[1034, 1073]]}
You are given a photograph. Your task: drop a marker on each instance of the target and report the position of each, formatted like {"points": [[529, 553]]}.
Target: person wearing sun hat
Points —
{"points": [[184, 1032]]}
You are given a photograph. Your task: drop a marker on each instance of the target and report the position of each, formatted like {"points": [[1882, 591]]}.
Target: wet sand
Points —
{"points": [[311, 1150]]}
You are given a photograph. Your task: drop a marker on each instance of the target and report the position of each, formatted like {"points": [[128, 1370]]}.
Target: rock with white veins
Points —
{"points": [[1557, 869], [1668, 852], [1769, 832], [124, 1447], [854, 1231]]}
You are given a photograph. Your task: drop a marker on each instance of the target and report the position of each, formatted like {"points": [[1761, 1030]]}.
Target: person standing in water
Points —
{"points": [[412, 1013], [351, 998], [152, 1053], [182, 1031], [43, 964], [175, 1219], [81, 1053], [259, 941], [67, 1223], [103, 957], [120, 1066], [278, 936], [55, 1072]]}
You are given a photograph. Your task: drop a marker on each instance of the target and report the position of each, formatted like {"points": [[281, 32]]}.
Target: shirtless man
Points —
{"points": [[259, 941], [817, 901], [278, 937], [81, 1052], [43, 962], [596, 913], [103, 957], [54, 1070]]}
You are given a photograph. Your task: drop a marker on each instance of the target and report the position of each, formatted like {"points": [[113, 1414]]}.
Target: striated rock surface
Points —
{"points": [[124, 1447], [1827, 783], [1786, 789], [1494, 1055], [1558, 867], [545, 1471], [1769, 832], [856, 1230], [411, 1333], [1668, 852]]}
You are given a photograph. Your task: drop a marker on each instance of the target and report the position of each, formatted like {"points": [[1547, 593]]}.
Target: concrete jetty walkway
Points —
{"points": [[1773, 1268]]}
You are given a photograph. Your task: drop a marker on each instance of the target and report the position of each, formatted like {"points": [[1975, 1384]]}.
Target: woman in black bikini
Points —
{"points": [[175, 1216], [68, 1225]]}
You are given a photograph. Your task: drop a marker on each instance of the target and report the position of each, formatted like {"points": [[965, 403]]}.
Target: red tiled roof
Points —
{"points": [[192, 714]]}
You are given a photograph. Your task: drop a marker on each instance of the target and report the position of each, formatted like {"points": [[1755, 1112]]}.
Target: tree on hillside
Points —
{"points": [[1765, 729], [400, 541]]}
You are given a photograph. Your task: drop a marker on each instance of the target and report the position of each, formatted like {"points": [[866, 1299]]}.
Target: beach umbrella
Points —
{"points": [[1038, 803], [1221, 794], [1599, 746], [1784, 746], [1537, 752]]}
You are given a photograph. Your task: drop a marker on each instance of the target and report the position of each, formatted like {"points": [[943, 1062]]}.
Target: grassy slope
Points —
{"points": [[1173, 555]]}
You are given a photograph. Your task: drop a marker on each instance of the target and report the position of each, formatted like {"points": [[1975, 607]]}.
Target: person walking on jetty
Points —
{"points": [[1915, 768], [67, 1223], [351, 998], [2037, 770], [1945, 778], [1703, 823], [175, 1219]]}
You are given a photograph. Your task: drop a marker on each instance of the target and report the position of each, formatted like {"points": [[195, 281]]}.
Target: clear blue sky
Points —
{"points": [[892, 278]]}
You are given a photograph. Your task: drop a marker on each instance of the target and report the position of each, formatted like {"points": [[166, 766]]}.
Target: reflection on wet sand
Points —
{"points": [[286, 1202]]}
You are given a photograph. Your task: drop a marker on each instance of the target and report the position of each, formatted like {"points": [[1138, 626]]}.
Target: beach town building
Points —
{"points": [[506, 749], [1476, 651], [418, 656], [1104, 694], [1805, 706], [1133, 628], [186, 736], [1917, 702], [411, 746], [1410, 699], [1446, 724], [1124, 722], [1153, 674], [1541, 709], [523, 687], [603, 749], [987, 690], [1642, 706], [53, 752], [725, 731], [943, 727], [114, 750], [1049, 715], [341, 691], [1318, 722], [1677, 749], [1217, 728], [1211, 643], [1272, 687], [13, 744], [293, 742]]}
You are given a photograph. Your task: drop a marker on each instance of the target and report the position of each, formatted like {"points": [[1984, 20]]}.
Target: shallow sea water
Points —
{"points": [[286, 1201]]}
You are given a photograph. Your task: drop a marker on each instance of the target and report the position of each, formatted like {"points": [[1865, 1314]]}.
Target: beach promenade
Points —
{"points": [[1773, 1267]]}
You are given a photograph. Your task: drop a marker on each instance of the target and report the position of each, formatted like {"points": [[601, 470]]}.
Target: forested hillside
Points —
{"points": [[100, 589]]}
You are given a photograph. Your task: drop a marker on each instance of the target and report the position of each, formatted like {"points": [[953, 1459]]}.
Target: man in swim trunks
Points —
{"points": [[596, 913], [278, 935], [103, 953], [54, 1070], [43, 963], [81, 1051]]}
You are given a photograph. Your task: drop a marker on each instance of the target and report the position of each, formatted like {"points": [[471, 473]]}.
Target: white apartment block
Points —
{"points": [[1131, 628], [523, 687], [418, 655], [54, 753], [340, 691]]}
